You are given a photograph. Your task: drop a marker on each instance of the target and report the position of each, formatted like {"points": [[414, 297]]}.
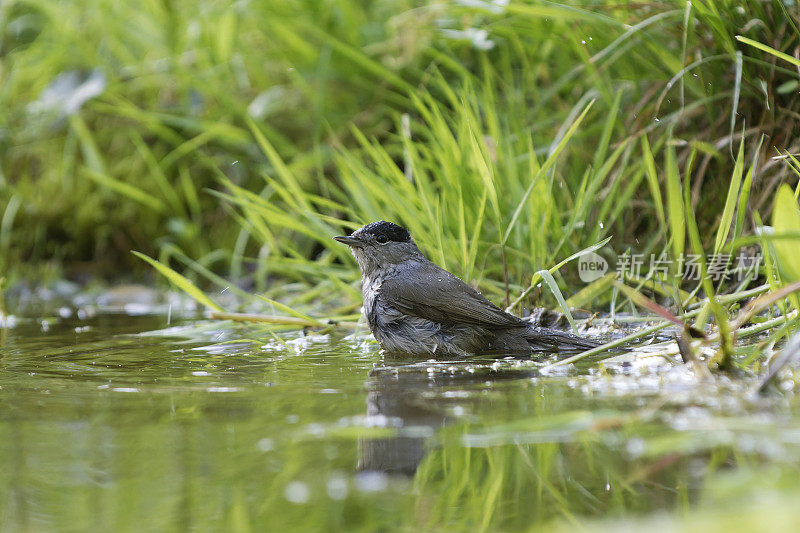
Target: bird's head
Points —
{"points": [[380, 245]]}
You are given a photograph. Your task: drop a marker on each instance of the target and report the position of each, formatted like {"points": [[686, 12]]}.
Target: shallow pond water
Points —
{"points": [[118, 422]]}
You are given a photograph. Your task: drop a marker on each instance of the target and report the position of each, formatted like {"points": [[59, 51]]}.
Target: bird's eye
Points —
{"points": [[383, 239]]}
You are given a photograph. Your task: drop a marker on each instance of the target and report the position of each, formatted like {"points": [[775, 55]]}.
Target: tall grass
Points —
{"points": [[131, 168], [236, 139]]}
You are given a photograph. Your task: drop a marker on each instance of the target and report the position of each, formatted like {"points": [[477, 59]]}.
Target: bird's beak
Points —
{"points": [[349, 241]]}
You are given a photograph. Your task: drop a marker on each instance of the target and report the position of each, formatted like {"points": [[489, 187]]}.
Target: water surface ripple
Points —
{"points": [[117, 422]]}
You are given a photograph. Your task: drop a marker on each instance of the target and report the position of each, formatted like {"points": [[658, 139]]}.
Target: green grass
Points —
{"points": [[233, 141]]}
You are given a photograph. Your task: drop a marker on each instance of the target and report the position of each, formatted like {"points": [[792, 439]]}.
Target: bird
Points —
{"points": [[416, 308]]}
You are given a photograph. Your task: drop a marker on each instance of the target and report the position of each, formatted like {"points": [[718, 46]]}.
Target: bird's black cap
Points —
{"points": [[392, 231]]}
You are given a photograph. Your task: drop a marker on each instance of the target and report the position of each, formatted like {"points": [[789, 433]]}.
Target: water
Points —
{"points": [[117, 422]]}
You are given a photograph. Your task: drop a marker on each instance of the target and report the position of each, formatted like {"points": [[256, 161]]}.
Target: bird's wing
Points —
{"points": [[435, 294]]}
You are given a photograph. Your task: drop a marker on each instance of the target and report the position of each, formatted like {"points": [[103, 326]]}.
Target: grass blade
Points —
{"points": [[769, 50], [675, 207], [737, 91], [126, 189], [652, 181], [537, 277], [179, 281], [548, 279], [730, 201]]}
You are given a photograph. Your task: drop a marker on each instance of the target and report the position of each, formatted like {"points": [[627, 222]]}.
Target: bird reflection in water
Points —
{"points": [[417, 402]]}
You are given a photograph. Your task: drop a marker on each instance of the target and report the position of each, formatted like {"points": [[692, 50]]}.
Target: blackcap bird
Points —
{"points": [[416, 308]]}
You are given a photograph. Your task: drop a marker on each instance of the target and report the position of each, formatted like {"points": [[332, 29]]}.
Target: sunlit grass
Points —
{"points": [[131, 170], [575, 129]]}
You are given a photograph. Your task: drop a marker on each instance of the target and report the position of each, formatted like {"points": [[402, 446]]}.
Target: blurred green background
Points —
{"points": [[231, 136]]}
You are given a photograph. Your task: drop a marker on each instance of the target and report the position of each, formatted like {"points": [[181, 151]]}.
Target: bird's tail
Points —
{"points": [[553, 340]]}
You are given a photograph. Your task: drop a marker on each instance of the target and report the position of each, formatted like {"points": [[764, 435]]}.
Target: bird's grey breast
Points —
{"points": [[396, 330], [378, 306]]}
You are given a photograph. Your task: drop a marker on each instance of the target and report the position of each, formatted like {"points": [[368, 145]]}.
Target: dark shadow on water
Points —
{"points": [[411, 398]]}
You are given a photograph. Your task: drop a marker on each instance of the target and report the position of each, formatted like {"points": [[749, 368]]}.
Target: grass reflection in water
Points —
{"points": [[174, 430]]}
